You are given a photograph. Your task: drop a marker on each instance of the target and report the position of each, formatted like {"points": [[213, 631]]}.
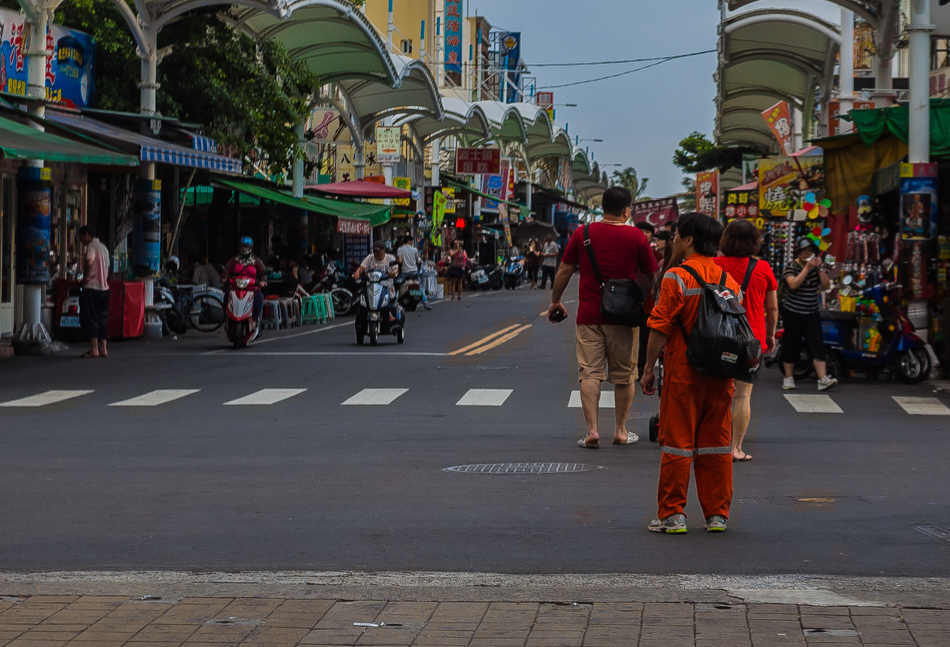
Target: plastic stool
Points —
{"points": [[271, 317], [328, 302], [309, 313]]}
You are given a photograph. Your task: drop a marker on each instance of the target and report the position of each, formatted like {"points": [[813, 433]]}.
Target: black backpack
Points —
{"points": [[721, 343]]}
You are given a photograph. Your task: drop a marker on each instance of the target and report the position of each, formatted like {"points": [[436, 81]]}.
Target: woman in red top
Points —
{"points": [[739, 242]]}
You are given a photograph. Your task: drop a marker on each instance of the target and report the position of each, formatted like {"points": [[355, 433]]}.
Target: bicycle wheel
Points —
{"points": [[206, 313]]}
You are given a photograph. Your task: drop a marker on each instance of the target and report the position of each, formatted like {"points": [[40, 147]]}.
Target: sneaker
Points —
{"points": [[674, 524], [789, 384], [826, 383], [716, 523]]}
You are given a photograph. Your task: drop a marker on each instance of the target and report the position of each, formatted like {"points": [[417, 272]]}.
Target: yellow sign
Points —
{"points": [[449, 193], [405, 184]]}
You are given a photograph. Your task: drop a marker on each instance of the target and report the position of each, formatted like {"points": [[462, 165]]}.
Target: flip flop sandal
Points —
{"points": [[631, 438], [583, 444], [744, 459]]}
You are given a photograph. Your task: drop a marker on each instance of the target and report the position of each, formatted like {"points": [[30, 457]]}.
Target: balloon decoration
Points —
{"points": [[814, 208]]}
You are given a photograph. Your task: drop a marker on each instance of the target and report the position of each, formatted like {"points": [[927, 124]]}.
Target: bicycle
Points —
{"points": [[205, 311]]}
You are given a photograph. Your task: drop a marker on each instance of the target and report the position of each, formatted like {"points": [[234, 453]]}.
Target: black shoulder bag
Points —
{"points": [[621, 301], [747, 279]]}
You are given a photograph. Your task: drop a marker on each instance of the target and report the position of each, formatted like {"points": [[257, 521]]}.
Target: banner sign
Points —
{"points": [[784, 181], [438, 215], [477, 161], [388, 144], [780, 123], [33, 225], [507, 186], [744, 205], [545, 100], [358, 227], [505, 221], [655, 212], [146, 227], [69, 66], [453, 36], [834, 109], [918, 201], [405, 184], [449, 193], [494, 186], [510, 45], [707, 193]]}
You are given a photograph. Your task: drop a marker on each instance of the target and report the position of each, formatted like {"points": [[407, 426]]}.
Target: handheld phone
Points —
{"points": [[558, 316]]}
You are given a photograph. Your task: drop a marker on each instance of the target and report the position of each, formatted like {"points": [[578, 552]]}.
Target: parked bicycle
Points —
{"points": [[179, 307]]}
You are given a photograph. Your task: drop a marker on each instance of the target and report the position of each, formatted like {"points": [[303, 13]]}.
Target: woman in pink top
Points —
{"points": [[740, 241]]}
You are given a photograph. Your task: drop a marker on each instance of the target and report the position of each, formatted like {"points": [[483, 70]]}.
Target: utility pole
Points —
{"points": [[846, 70], [919, 28]]}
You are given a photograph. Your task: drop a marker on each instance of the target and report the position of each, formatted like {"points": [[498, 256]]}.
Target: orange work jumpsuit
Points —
{"points": [[695, 409]]}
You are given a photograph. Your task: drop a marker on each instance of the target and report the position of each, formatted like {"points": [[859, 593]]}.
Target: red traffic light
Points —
{"points": [[460, 223]]}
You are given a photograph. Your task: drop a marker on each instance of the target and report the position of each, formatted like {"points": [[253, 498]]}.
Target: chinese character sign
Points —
{"points": [[494, 186], [780, 123], [476, 161], [69, 66], [707, 193], [387, 144], [453, 36], [405, 184], [743, 205], [784, 182]]}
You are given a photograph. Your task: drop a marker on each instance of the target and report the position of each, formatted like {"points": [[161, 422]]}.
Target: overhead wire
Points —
{"points": [[660, 61], [620, 62]]}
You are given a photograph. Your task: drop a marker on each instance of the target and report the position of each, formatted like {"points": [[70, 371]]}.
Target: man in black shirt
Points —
{"points": [[804, 279]]}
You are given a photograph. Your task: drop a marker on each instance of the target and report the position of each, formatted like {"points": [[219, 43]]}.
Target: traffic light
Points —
{"points": [[460, 223]]}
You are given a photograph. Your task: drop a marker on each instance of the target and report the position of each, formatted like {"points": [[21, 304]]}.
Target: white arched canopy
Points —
{"points": [[506, 121], [466, 121]]}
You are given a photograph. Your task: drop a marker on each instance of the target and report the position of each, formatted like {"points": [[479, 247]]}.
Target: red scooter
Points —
{"points": [[240, 310]]}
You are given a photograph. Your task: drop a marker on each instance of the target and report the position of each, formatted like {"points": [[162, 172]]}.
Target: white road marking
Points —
{"points": [[266, 396], [813, 403], [922, 406], [45, 398], [155, 398], [375, 397], [281, 338], [484, 398], [606, 400]]}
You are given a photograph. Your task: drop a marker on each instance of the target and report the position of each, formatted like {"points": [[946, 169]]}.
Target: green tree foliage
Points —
{"points": [[697, 153], [629, 179]]}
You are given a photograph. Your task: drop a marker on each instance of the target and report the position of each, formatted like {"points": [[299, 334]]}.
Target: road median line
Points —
{"points": [[483, 340], [498, 342]]}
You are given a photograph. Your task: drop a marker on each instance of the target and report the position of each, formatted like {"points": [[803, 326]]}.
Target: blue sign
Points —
{"points": [[33, 225], [510, 45], [69, 66], [453, 37]]}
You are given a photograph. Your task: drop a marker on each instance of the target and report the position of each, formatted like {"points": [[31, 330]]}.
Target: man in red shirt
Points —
{"points": [[605, 351]]}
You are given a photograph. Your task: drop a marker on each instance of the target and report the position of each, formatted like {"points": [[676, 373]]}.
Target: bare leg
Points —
{"points": [[820, 367], [93, 348], [623, 400], [590, 401], [788, 368], [102, 348], [741, 414]]}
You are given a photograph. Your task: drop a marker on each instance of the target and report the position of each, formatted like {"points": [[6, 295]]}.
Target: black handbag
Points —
{"points": [[621, 300]]}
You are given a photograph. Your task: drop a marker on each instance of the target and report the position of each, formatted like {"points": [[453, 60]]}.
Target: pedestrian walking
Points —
{"points": [[549, 261], [458, 261], [605, 350], [801, 307], [94, 297], [695, 409], [740, 241], [532, 262]]}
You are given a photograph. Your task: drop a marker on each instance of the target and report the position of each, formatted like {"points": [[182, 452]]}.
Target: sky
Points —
{"points": [[641, 116]]}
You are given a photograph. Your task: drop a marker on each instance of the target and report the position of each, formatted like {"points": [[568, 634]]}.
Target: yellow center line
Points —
{"points": [[483, 340], [498, 342]]}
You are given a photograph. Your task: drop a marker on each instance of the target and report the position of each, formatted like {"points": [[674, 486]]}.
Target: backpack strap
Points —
{"points": [[748, 277], [696, 275], [590, 255]]}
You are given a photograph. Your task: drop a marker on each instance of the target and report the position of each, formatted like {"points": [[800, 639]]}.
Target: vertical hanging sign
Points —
{"points": [[780, 123], [453, 37], [707, 193]]}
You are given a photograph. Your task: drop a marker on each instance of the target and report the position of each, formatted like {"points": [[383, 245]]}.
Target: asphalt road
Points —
{"points": [[310, 483]]}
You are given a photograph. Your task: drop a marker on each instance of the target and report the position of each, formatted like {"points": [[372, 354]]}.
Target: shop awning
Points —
{"points": [[876, 123], [361, 189], [150, 149], [373, 213], [20, 141]]}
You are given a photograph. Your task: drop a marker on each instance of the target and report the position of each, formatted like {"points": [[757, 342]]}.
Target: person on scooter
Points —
{"points": [[380, 261], [801, 314], [245, 263], [408, 257]]}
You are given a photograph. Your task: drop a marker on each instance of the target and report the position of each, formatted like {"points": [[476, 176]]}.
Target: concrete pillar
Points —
{"points": [[303, 221], [148, 87], [919, 29], [436, 152], [846, 70]]}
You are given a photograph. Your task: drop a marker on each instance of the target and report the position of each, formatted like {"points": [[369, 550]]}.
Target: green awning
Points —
{"points": [[465, 187], [376, 214], [874, 123], [20, 141]]}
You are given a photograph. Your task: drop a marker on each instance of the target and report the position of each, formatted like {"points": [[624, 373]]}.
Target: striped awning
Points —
{"points": [[200, 142], [149, 149]]}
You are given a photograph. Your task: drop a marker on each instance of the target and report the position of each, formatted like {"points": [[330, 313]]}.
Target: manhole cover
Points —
{"points": [[523, 468], [935, 531]]}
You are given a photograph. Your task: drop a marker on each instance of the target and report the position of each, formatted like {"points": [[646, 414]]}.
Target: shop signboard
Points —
{"points": [[779, 120], [449, 193], [146, 227], [328, 126], [438, 215], [355, 248], [388, 145], [834, 109], [494, 186], [33, 225], [510, 45], [707, 193], [918, 201], [346, 162], [744, 205], [69, 67], [453, 37], [784, 182], [405, 184], [545, 100], [655, 212], [477, 161], [351, 226]]}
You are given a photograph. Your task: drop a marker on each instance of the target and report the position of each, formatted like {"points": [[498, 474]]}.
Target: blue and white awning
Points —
{"points": [[202, 143], [150, 149]]}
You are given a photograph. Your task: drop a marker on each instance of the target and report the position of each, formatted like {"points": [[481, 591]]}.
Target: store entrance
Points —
{"points": [[7, 217]]}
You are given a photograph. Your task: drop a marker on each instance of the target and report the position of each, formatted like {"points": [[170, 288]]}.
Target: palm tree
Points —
{"points": [[629, 179]]}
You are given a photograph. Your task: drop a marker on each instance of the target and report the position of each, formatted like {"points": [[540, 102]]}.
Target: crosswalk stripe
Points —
{"points": [[484, 398], [375, 397], [813, 403], [606, 400], [266, 396], [45, 398], [155, 398], [922, 406]]}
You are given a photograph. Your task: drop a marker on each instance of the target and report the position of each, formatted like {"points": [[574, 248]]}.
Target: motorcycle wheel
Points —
{"points": [[373, 335], [400, 336], [342, 301], [207, 313], [496, 285], [237, 331], [913, 365]]}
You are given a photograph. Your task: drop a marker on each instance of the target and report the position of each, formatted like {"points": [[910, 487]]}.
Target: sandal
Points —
{"points": [[88, 355], [582, 443]]}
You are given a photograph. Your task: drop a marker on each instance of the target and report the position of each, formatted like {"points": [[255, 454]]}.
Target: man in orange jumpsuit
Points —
{"points": [[695, 409]]}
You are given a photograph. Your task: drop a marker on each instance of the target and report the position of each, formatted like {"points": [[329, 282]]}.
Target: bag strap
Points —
{"points": [[696, 275], [590, 255], [748, 276]]}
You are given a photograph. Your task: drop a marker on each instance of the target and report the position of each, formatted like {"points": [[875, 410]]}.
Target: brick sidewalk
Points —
{"points": [[118, 621]]}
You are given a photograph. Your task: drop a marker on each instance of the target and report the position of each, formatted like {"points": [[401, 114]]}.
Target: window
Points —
{"points": [[407, 46]]}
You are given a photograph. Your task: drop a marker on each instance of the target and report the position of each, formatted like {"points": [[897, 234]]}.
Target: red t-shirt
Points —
{"points": [[753, 301], [621, 252]]}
